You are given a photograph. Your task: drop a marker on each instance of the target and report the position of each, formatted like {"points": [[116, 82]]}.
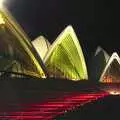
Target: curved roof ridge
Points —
{"points": [[113, 57], [69, 31], [48, 44], [100, 49], [42, 45], [23, 40]]}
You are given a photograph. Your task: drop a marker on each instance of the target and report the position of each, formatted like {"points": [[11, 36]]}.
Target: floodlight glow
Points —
{"points": [[1, 3], [114, 92]]}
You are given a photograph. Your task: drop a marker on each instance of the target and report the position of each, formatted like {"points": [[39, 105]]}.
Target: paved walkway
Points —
{"points": [[50, 108]]}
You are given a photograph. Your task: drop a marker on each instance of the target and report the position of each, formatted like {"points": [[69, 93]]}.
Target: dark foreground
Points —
{"points": [[107, 108], [31, 99]]}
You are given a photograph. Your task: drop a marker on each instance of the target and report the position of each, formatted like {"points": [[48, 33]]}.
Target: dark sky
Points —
{"points": [[96, 22]]}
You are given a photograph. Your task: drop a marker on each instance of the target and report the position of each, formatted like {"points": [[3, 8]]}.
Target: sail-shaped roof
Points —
{"points": [[65, 58], [14, 44], [41, 45], [111, 73], [98, 63], [99, 50]]}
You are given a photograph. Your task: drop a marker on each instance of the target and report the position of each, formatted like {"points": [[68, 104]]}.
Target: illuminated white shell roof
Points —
{"points": [[42, 45], [112, 58], [98, 63], [99, 49]]}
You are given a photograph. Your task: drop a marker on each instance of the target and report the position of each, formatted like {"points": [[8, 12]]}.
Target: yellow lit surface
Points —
{"points": [[65, 58], [1, 20], [15, 44]]}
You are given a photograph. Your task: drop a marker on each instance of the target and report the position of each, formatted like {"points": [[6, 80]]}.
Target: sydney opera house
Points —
{"points": [[63, 59]]}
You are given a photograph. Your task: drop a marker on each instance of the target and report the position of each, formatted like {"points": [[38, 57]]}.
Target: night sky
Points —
{"points": [[96, 22]]}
